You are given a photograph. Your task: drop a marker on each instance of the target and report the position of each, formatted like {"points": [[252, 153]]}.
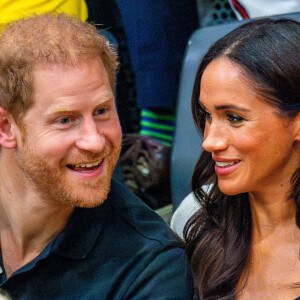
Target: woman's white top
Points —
{"points": [[184, 211]]}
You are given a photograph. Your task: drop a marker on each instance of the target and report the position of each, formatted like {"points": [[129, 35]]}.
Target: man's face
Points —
{"points": [[72, 137]]}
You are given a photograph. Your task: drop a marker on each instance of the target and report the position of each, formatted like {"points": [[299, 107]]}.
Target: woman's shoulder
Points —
{"points": [[185, 210]]}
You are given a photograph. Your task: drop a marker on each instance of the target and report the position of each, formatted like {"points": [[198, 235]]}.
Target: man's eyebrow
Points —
{"points": [[60, 110], [63, 109]]}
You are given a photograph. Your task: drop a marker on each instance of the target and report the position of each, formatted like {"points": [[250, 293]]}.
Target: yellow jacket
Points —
{"points": [[16, 9]]}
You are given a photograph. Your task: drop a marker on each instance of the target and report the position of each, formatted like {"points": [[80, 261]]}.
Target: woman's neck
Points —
{"points": [[273, 265], [271, 211]]}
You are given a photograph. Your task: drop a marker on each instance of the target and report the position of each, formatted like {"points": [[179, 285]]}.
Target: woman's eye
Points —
{"points": [[235, 119]]}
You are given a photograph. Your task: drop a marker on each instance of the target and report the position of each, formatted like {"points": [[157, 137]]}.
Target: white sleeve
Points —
{"points": [[181, 215]]}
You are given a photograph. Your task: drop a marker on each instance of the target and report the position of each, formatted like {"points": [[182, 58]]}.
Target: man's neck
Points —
{"points": [[28, 234], [27, 223]]}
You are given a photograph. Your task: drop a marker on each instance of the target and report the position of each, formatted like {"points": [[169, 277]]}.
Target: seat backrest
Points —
{"points": [[187, 144]]}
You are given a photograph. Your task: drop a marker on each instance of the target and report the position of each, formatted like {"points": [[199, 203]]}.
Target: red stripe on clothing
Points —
{"points": [[240, 9]]}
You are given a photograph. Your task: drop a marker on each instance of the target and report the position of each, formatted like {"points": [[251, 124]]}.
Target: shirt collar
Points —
{"points": [[81, 231]]}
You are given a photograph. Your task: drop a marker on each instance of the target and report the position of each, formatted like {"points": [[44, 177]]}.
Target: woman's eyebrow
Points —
{"points": [[226, 106], [231, 106]]}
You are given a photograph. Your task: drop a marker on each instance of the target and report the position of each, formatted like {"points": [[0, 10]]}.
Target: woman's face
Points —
{"points": [[254, 149]]}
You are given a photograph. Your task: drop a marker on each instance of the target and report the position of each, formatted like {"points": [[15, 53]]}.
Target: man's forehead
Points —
{"points": [[62, 87], [67, 74]]}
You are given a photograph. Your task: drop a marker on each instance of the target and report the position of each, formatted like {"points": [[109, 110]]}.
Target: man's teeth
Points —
{"points": [[224, 164], [87, 165]]}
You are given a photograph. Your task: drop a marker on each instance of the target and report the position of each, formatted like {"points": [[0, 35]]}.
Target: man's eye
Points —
{"points": [[235, 119], [101, 111], [65, 120]]}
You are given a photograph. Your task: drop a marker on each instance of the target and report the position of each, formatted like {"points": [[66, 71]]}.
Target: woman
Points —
{"points": [[244, 242]]}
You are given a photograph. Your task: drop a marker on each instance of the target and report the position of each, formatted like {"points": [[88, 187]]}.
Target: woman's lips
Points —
{"points": [[223, 167]]}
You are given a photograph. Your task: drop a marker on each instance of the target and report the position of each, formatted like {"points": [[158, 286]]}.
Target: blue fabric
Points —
{"points": [[119, 250], [157, 33]]}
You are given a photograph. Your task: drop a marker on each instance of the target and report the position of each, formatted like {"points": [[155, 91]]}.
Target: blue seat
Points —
{"points": [[187, 144]]}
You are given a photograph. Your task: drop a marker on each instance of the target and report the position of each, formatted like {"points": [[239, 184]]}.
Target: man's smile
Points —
{"points": [[85, 167]]}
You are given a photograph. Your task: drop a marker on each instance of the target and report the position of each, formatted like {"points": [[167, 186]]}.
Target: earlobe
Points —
{"points": [[297, 125], [7, 136]]}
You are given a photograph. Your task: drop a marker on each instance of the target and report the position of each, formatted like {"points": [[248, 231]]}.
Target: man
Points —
{"points": [[67, 231]]}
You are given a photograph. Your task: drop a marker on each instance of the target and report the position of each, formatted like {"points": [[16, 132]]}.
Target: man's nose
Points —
{"points": [[90, 137], [215, 138]]}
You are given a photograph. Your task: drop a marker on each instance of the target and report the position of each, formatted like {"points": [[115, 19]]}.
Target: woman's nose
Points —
{"points": [[215, 138]]}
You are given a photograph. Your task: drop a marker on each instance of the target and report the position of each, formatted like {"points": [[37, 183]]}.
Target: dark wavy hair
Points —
{"points": [[218, 236]]}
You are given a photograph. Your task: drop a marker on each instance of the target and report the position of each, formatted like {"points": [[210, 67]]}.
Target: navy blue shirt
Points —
{"points": [[118, 250]]}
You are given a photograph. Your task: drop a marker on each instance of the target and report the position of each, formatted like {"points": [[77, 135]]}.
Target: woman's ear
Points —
{"points": [[297, 127], [7, 135]]}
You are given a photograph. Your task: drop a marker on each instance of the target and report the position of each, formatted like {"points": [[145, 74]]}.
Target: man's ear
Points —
{"points": [[7, 135]]}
